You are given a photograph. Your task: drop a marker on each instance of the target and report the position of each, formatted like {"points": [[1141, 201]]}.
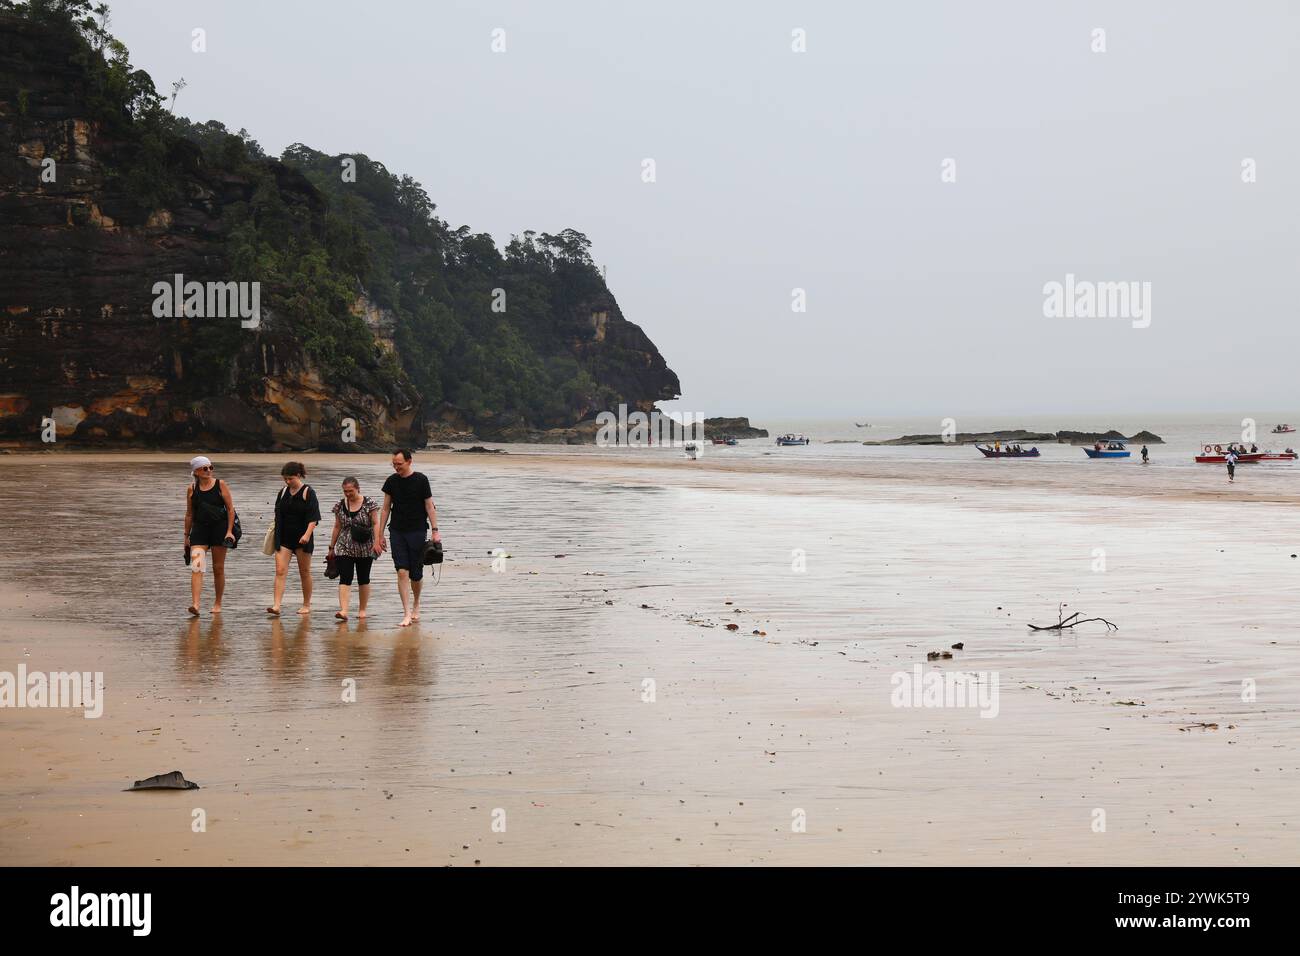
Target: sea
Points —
{"points": [[838, 439]]}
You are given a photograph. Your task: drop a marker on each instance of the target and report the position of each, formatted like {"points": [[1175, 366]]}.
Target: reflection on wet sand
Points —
{"points": [[343, 650], [201, 651], [406, 667], [346, 651], [286, 657], [525, 686]]}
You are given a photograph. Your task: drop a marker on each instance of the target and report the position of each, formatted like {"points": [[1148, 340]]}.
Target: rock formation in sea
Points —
{"points": [[1088, 438], [1022, 436], [966, 438], [736, 427]]}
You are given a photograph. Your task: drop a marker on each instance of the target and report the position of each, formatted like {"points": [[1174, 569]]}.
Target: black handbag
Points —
{"points": [[361, 533]]}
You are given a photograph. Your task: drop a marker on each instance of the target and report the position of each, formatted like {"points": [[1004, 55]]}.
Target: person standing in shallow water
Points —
{"points": [[351, 544], [209, 530], [1231, 459], [297, 512], [409, 499]]}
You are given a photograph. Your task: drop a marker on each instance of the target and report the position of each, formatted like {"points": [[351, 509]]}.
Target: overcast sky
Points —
{"points": [[822, 170]]}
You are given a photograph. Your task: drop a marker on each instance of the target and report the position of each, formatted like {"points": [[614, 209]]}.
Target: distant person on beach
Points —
{"points": [[409, 499], [209, 529], [1231, 459], [351, 544], [1145, 455], [297, 512]]}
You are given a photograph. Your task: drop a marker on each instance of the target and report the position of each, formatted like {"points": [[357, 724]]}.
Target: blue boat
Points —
{"points": [[792, 440], [1115, 448]]}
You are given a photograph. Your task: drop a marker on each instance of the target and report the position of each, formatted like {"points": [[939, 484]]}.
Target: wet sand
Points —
{"points": [[520, 696]]}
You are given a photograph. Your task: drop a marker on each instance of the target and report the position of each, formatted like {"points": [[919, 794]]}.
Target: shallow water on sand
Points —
{"points": [[886, 572], [525, 681]]}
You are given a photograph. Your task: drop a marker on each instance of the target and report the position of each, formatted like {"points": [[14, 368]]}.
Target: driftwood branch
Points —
{"points": [[1072, 621]]}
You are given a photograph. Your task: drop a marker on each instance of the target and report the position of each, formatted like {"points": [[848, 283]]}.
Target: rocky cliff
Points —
{"points": [[373, 314], [80, 252]]}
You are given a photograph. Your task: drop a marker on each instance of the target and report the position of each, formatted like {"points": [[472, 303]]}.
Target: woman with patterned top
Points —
{"points": [[352, 543]]}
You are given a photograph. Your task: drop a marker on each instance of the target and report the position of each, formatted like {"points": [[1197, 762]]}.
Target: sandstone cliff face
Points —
{"points": [[79, 257], [593, 330], [600, 327], [373, 310]]}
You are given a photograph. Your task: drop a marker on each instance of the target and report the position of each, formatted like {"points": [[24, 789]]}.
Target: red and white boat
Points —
{"points": [[1218, 454], [1283, 429]]}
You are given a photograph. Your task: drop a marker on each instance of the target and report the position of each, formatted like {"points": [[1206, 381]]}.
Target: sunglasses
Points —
{"points": [[205, 467]]}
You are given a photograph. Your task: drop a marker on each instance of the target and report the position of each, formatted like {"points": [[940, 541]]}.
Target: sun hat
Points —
{"points": [[197, 462]]}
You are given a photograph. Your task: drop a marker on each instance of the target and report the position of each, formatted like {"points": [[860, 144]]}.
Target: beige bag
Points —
{"points": [[268, 543]]}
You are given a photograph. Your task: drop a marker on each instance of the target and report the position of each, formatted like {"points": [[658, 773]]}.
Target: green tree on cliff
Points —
{"points": [[497, 332]]}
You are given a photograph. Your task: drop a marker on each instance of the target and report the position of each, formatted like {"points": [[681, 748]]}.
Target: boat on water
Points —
{"points": [[1283, 429], [725, 440], [1007, 451], [862, 424], [1218, 454], [792, 439], [1115, 448]]}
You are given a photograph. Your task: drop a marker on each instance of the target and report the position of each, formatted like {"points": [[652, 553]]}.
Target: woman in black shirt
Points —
{"points": [[297, 512]]}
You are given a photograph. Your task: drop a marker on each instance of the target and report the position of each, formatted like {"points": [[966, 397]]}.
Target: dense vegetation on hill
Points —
{"points": [[320, 242], [439, 283]]}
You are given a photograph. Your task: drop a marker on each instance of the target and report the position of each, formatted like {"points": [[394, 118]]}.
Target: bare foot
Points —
{"points": [[273, 610], [304, 609], [193, 611], [340, 615], [216, 609], [361, 613], [405, 622], [415, 615]]}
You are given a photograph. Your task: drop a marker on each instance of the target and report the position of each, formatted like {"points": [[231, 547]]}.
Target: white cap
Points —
{"points": [[197, 462]]}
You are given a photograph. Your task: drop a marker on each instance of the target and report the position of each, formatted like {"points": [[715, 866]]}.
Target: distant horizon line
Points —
{"points": [[939, 417]]}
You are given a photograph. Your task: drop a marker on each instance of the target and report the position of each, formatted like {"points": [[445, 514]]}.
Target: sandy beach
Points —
{"points": [[582, 700]]}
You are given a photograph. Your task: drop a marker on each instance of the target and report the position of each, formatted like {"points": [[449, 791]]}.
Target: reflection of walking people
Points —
{"points": [[351, 545], [408, 498], [209, 529], [1231, 459], [297, 512]]}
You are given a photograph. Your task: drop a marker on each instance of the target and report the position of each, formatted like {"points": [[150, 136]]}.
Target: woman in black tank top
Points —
{"points": [[297, 512], [209, 530]]}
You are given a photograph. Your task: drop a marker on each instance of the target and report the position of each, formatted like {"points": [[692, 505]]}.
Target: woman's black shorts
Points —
{"points": [[294, 544], [345, 566], [210, 535]]}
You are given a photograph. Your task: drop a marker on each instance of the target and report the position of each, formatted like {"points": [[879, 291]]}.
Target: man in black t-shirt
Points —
{"points": [[409, 499]]}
